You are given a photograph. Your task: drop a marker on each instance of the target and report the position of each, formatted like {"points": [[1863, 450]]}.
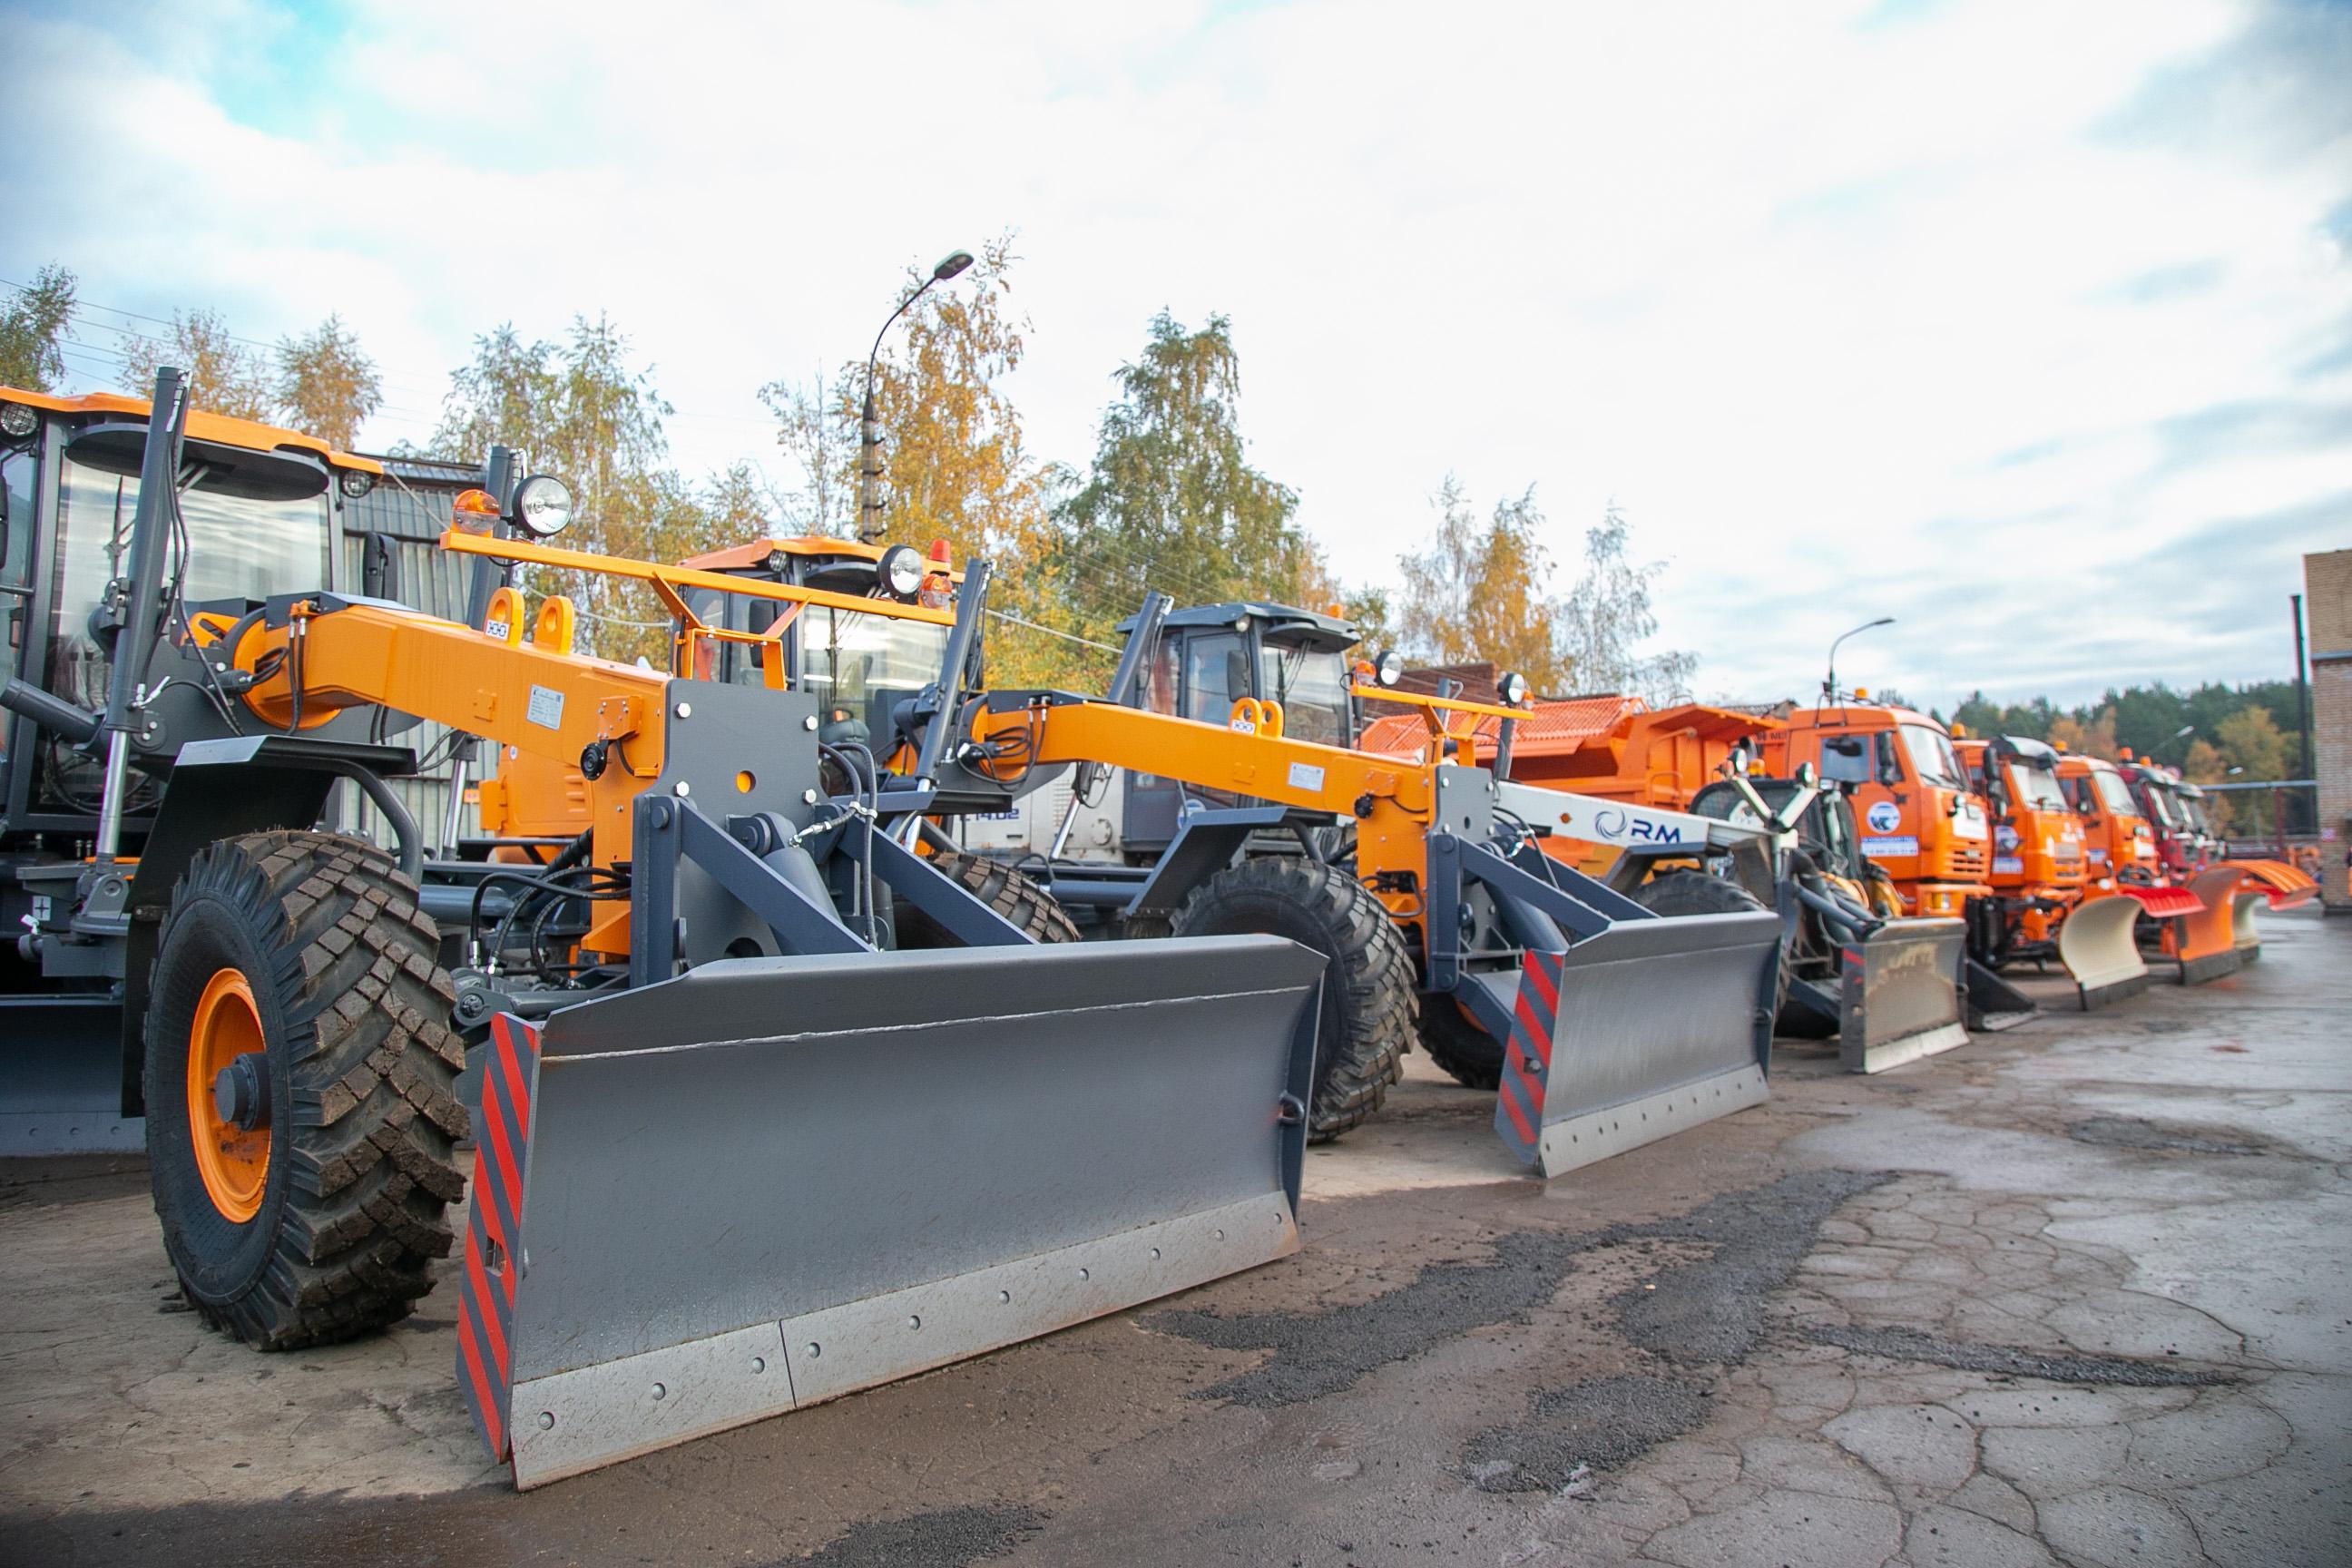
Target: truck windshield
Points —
{"points": [[863, 665], [1312, 688], [2036, 785], [1932, 760], [2162, 808], [2113, 794], [2192, 812]]}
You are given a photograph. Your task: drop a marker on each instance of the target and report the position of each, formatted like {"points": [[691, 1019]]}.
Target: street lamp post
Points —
{"points": [[1828, 680], [869, 424]]}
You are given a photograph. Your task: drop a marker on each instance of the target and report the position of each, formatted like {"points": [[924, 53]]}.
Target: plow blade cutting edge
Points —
{"points": [[2203, 941], [1632, 1035], [773, 1181], [1902, 995], [2094, 943]]}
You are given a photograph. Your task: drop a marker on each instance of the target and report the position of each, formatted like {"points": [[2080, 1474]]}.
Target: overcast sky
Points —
{"points": [[2028, 324]]}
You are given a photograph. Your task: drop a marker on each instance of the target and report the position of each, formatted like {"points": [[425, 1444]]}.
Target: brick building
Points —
{"points": [[2328, 619]]}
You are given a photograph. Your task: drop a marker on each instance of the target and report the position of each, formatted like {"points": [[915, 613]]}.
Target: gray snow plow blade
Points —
{"points": [[2096, 945], [1901, 994], [773, 1181], [1632, 1035]]}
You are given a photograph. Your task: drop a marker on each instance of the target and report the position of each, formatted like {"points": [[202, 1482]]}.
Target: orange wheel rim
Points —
{"points": [[233, 1161]]}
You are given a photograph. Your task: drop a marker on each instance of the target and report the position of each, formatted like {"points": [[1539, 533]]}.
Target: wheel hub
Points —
{"points": [[241, 1092]]}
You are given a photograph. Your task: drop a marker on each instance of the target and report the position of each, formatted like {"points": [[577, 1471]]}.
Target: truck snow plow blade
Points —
{"points": [[1902, 995], [1632, 1035], [2203, 941], [773, 1181], [2245, 917], [2286, 887], [2095, 944]]}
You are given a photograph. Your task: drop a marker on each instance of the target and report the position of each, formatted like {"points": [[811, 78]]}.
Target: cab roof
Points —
{"points": [[219, 428], [1279, 623]]}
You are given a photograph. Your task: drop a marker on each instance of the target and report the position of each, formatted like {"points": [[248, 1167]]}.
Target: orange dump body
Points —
{"points": [[1610, 748], [1920, 820]]}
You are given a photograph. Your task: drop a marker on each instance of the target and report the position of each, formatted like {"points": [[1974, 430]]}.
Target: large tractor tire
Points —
{"points": [[1368, 991], [1005, 888], [1696, 893], [1457, 1044], [303, 1113]]}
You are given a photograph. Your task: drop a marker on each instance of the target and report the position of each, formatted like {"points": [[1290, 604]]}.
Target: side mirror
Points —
{"points": [[1238, 683]]}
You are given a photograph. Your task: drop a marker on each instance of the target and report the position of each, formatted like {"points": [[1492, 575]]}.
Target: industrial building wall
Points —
{"points": [[2328, 619]]}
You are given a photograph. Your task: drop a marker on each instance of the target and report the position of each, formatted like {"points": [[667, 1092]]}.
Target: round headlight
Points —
{"points": [[1512, 687], [901, 570], [543, 506], [357, 483], [1388, 666], [17, 419]]}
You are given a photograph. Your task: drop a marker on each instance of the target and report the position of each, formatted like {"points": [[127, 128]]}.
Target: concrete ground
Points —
{"points": [[2076, 1293]]}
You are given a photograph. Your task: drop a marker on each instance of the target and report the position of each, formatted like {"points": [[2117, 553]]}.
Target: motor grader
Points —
{"points": [[770, 1108], [1886, 985], [1255, 816]]}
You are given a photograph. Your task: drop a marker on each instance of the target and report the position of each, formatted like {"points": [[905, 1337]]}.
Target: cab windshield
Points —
{"points": [[1933, 761], [861, 667], [1312, 688], [238, 546], [2036, 785], [2192, 812], [2161, 807], [2113, 794]]}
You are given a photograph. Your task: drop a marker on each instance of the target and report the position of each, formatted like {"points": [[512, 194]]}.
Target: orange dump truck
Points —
{"points": [[1920, 818]]}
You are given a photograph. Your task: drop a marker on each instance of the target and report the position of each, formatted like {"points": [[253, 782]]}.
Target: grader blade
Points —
{"points": [[2203, 942], [773, 1181], [1903, 996], [1632, 1035], [2095, 944]]}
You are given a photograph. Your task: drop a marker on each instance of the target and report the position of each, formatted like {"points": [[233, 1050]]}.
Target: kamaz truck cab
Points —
{"points": [[1920, 818], [2039, 866], [2120, 846]]}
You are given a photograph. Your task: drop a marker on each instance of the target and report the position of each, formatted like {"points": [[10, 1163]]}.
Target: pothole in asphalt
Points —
{"points": [[2131, 1132], [1964, 1355], [1692, 1311], [948, 1535]]}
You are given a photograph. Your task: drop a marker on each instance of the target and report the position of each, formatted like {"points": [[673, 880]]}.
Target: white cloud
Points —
{"points": [[1855, 315]]}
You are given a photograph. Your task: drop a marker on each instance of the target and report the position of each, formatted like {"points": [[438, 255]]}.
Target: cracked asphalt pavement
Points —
{"points": [[2076, 1293]]}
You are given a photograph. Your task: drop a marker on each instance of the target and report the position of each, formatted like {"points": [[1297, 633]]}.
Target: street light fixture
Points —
{"points": [[869, 425], [1829, 681]]}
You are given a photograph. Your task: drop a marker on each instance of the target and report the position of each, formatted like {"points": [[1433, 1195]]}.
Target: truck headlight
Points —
{"points": [[1388, 666], [1512, 687]]}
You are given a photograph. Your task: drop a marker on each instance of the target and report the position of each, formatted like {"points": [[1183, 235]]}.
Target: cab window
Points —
{"points": [[2037, 786], [1312, 688], [1216, 672]]}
